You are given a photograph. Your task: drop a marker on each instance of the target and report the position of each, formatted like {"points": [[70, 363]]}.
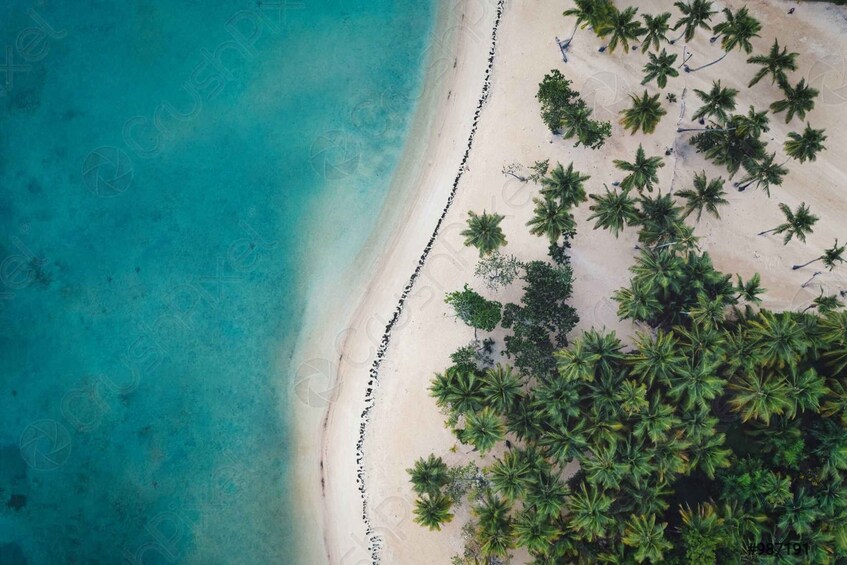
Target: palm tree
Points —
{"points": [[589, 513], [830, 257], [484, 232], [432, 511], [696, 13], [483, 429], [535, 532], [798, 100], [551, 219], [657, 358], [695, 385], [655, 30], [637, 302], [660, 68], [603, 468], [645, 113], [763, 173], [546, 495], [759, 396], [717, 103], [495, 526], [642, 172], [613, 211], [707, 194], [647, 537], [775, 63], [780, 339], [458, 389], [577, 362], [565, 185], [429, 475], [797, 224], [501, 388], [511, 476], [736, 30], [623, 27], [750, 290], [589, 13], [825, 304], [806, 146]]}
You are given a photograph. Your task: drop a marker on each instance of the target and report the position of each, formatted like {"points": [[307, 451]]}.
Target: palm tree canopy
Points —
{"points": [[775, 63], [645, 113], [613, 211], [655, 30], [718, 102], [484, 232], [797, 224], [798, 100], [551, 219], [764, 173], [623, 27], [433, 511], [565, 185], [833, 255], [590, 12], [706, 195], [738, 29], [643, 172], [695, 13], [429, 475], [806, 146], [660, 67]]}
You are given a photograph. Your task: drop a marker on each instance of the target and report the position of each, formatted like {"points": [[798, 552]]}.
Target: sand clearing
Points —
{"points": [[404, 423]]}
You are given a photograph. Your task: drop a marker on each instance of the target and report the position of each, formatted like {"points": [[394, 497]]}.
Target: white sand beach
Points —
{"points": [[404, 423]]}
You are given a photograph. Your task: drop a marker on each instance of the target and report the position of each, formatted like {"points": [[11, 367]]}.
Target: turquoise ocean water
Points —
{"points": [[158, 159]]}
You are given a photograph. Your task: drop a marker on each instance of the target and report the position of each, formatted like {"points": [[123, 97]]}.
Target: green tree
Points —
{"points": [[590, 518], [511, 476], [429, 475], [483, 429], [645, 113], [706, 195], [750, 290], [551, 219], [501, 388], [775, 63], [660, 67], [535, 532], [758, 396], [647, 538], [806, 146], [592, 13], [717, 103], [655, 30], [613, 211], [735, 31], [473, 309], [763, 173], [780, 338], [695, 14], [433, 511], [498, 270], [797, 224], [484, 232], [623, 27], [641, 173], [567, 186], [798, 100], [831, 257]]}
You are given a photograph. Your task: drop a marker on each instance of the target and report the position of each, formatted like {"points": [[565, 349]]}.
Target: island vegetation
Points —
{"points": [[721, 430]]}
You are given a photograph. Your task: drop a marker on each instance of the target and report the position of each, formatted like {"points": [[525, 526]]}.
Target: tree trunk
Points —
{"points": [[795, 267], [743, 187], [807, 308], [572, 34], [715, 62], [672, 41], [767, 231], [805, 284]]}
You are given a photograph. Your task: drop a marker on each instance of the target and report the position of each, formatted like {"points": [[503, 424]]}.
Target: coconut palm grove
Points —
{"points": [[717, 433]]}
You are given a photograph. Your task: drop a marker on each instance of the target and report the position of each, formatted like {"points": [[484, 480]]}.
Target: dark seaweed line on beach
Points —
{"points": [[374, 541]]}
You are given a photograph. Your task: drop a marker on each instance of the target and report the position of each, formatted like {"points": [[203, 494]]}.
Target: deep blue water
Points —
{"points": [[163, 164]]}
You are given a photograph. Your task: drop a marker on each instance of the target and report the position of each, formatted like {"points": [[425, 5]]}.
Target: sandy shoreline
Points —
{"points": [[339, 343], [405, 423]]}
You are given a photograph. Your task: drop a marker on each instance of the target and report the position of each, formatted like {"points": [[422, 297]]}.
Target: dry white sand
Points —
{"points": [[405, 423]]}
